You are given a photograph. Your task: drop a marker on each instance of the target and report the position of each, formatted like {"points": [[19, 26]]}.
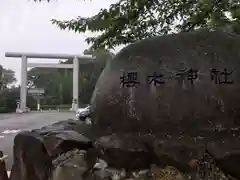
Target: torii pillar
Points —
{"points": [[23, 90], [75, 102]]}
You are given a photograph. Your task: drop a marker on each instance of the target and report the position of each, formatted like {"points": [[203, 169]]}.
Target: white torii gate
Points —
{"points": [[25, 65]]}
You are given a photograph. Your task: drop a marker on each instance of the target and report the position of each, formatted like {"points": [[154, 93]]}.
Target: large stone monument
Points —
{"points": [[186, 82], [178, 92]]}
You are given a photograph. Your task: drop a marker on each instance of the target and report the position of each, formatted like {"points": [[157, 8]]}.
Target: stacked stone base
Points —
{"points": [[75, 167], [69, 150]]}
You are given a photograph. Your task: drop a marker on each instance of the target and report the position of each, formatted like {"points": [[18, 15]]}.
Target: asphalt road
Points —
{"points": [[11, 124]]}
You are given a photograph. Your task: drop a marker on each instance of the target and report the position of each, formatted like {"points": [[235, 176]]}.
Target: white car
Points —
{"points": [[83, 114]]}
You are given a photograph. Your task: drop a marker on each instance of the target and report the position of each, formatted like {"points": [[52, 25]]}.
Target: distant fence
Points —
{"points": [[53, 107]]}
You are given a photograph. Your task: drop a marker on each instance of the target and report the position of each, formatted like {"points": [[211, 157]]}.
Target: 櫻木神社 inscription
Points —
{"points": [[217, 76]]}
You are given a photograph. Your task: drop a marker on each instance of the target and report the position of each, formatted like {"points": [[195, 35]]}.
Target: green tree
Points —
{"points": [[130, 20], [7, 77], [58, 82], [89, 73], [49, 79], [1, 72], [9, 97]]}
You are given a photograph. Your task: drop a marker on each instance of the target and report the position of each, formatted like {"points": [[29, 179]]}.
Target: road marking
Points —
{"points": [[10, 131], [8, 173], [1, 136]]}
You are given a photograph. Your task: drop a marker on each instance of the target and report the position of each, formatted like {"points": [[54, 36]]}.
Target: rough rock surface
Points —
{"points": [[126, 156], [35, 150], [182, 154], [125, 151], [227, 155], [189, 155], [31, 160], [176, 105], [71, 165]]}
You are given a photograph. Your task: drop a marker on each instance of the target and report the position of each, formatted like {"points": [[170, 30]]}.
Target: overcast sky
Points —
{"points": [[25, 27]]}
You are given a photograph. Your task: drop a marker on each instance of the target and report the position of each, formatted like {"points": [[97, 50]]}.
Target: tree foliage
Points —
{"points": [[8, 96], [1, 72], [130, 20], [7, 77], [58, 83]]}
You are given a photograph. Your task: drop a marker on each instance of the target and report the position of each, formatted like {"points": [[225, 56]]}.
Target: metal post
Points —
{"points": [[75, 83], [23, 93], [38, 103]]}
